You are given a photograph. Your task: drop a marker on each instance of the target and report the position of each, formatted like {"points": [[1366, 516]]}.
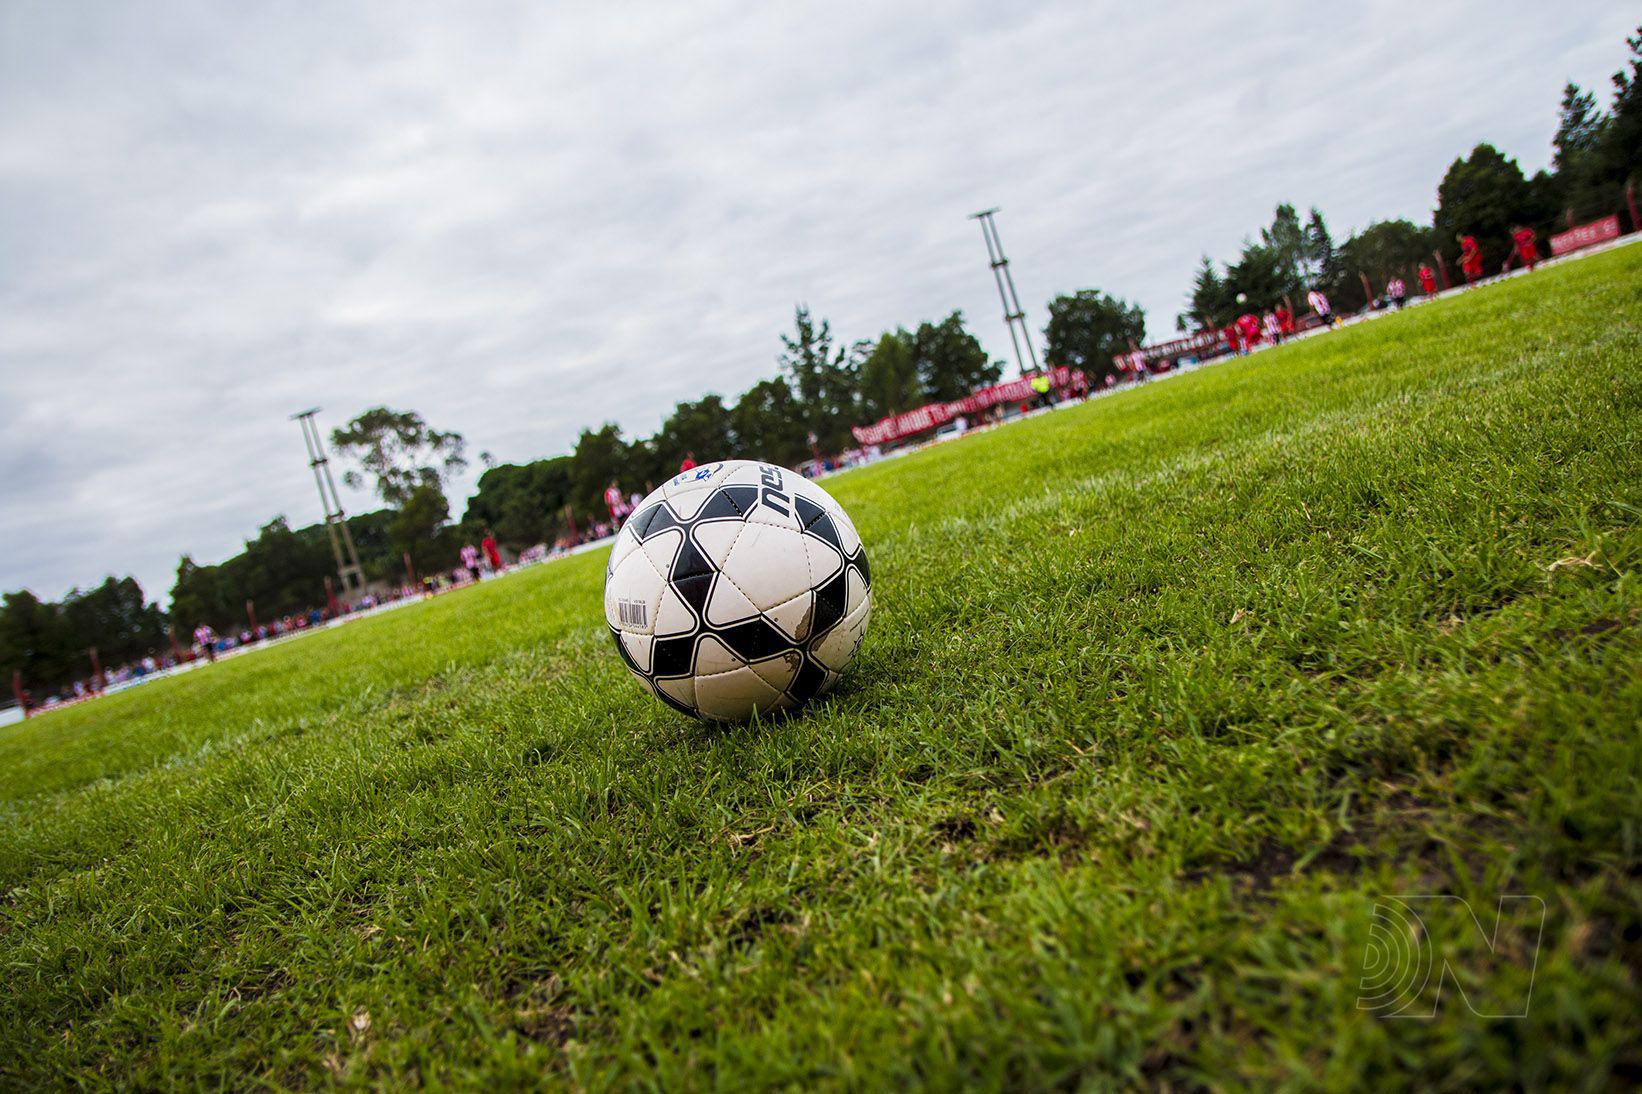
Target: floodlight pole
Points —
{"points": [[336, 524], [1012, 312]]}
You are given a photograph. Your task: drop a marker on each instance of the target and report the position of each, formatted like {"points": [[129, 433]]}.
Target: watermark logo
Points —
{"points": [[1420, 943]]}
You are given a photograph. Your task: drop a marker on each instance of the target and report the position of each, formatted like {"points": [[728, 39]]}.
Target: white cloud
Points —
{"points": [[522, 220]]}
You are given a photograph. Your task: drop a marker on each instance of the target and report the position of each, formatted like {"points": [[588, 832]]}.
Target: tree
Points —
{"points": [[34, 640], [1258, 275], [950, 361], [1212, 302], [521, 503], [702, 427], [416, 528], [822, 380], [1088, 328], [601, 457], [1621, 142], [888, 379], [765, 421], [1286, 239], [1484, 195], [1319, 248], [399, 451], [1381, 251]]}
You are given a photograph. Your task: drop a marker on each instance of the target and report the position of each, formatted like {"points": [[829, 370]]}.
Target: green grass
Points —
{"points": [[1162, 694]]}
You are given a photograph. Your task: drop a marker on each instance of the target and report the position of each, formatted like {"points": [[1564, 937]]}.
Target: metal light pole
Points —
{"points": [[1012, 311], [336, 526]]}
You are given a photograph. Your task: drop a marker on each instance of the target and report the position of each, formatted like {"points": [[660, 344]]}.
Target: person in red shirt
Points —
{"points": [[493, 555], [1248, 329], [1470, 258], [1428, 281], [1285, 321], [1527, 245], [689, 463], [1233, 342]]}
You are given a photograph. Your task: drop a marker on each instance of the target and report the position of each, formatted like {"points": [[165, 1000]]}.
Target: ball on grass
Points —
{"points": [[738, 587]]}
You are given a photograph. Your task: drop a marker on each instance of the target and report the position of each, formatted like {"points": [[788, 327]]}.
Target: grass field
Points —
{"points": [[1163, 694]]}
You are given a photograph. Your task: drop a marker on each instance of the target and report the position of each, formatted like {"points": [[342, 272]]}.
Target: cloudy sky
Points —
{"points": [[522, 219]]}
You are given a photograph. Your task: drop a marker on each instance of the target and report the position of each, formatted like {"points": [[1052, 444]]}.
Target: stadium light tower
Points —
{"points": [[347, 566], [1012, 311]]}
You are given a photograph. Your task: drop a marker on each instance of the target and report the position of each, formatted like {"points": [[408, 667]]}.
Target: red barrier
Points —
{"points": [[934, 415], [1586, 235]]}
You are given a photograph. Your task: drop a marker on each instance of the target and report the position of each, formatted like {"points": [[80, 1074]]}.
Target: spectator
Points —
{"points": [[1285, 320], [689, 463], [1319, 304]]}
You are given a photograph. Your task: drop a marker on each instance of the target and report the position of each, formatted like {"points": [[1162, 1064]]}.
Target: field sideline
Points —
{"points": [[1162, 695]]}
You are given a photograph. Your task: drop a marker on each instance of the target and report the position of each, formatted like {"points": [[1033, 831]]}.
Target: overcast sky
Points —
{"points": [[523, 219]]}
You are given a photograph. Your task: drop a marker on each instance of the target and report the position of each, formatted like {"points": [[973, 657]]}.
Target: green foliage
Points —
{"points": [[702, 427], [767, 424], [822, 379], [1088, 328], [1108, 800], [399, 452], [601, 458], [416, 526], [950, 361], [1484, 195], [1384, 249], [48, 642], [888, 378], [522, 503]]}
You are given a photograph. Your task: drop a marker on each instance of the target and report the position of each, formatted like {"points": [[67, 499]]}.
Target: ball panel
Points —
{"points": [[638, 647], [855, 590], [793, 617], [769, 564], [778, 672], [728, 604], [672, 615], [837, 648], [680, 689], [735, 695], [632, 594], [713, 656]]}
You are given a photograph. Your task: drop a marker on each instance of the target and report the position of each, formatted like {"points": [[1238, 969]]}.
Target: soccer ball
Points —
{"points": [[1242, 298], [738, 587]]}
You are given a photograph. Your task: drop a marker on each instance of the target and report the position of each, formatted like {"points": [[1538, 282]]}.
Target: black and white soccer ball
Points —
{"points": [[738, 587]]}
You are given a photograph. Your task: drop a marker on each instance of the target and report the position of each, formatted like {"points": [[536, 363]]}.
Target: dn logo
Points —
{"points": [[772, 494], [1416, 944]]}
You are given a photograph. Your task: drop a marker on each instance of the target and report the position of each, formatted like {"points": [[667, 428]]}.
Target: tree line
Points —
{"points": [[823, 385], [1596, 153]]}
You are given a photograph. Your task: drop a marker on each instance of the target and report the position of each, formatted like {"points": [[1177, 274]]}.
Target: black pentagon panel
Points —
{"points": [[689, 562], [753, 640], [808, 681], [860, 563], [729, 502], [694, 591], [652, 521], [829, 604], [673, 656]]}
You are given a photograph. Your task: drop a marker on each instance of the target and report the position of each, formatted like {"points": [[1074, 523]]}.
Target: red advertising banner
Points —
{"points": [[1586, 235], [934, 415], [1208, 341]]}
